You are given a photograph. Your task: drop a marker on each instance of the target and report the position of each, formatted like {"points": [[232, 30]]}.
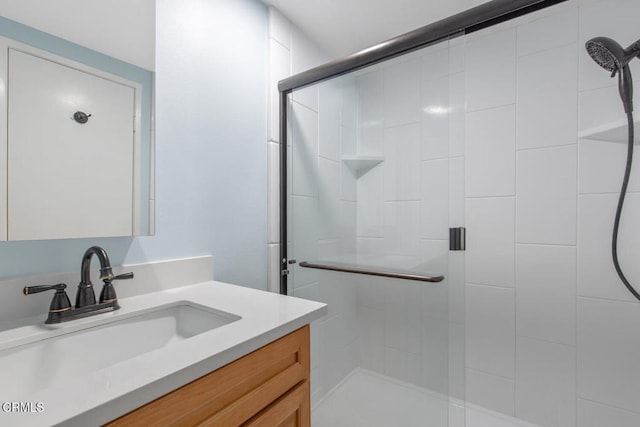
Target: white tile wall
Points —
{"points": [[490, 391], [546, 293], [273, 211], [596, 275], [490, 329], [402, 99], [279, 68], [435, 116], [304, 137], [401, 163], [490, 152], [329, 120], [531, 88], [601, 165], [490, 69], [328, 199], [435, 199], [546, 199], [490, 255], [545, 383], [547, 97], [593, 414], [456, 114], [401, 221], [608, 352], [548, 32]]}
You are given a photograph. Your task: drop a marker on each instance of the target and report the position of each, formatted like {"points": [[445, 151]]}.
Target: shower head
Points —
{"points": [[612, 57], [609, 54]]}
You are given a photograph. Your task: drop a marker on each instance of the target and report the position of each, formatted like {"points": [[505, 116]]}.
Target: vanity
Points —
{"points": [[205, 353]]}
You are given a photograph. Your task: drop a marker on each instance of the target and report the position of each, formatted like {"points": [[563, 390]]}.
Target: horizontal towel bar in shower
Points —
{"points": [[373, 271]]}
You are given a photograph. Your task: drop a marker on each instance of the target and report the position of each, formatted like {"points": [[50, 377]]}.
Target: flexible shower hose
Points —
{"points": [[616, 223]]}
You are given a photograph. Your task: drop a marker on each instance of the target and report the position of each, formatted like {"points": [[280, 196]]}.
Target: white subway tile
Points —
{"points": [[490, 152], [600, 107], [349, 101], [547, 98], [273, 284], [490, 254], [328, 198], [279, 27], [546, 196], [402, 163], [329, 126], [608, 352], [490, 329], [348, 228], [594, 414], [435, 61], [435, 199], [601, 167], [545, 383], [370, 113], [273, 213], [370, 201], [435, 118], [546, 293], [304, 53], [456, 192], [490, 69], [435, 355], [304, 137], [401, 93], [549, 32], [279, 68], [456, 55], [457, 115], [305, 238], [456, 285], [456, 362], [490, 391], [596, 274], [401, 230]]}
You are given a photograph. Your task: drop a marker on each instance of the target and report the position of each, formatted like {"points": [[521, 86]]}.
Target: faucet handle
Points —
{"points": [[60, 301], [108, 293], [123, 276]]}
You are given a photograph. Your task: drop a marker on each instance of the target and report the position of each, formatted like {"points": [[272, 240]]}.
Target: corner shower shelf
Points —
{"points": [[361, 164], [612, 132]]}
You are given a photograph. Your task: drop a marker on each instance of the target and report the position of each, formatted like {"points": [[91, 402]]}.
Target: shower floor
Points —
{"points": [[368, 399]]}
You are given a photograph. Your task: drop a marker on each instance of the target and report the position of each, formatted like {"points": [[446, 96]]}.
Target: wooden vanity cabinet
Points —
{"points": [[268, 387]]}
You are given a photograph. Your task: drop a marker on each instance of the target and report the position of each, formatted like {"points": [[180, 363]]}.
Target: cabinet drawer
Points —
{"points": [[291, 410], [233, 394]]}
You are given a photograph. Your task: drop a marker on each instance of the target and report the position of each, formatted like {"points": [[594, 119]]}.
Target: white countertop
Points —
{"points": [[105, 394]]}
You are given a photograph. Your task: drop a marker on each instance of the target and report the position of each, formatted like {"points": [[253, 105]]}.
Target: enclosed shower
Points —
{"points": [[451, 195]]}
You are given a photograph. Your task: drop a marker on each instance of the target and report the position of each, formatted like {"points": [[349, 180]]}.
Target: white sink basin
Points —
{"points": [[39, 365]]}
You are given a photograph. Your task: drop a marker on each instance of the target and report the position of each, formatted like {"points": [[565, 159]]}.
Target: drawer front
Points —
{"points": [[291, 410], [233, 394]]}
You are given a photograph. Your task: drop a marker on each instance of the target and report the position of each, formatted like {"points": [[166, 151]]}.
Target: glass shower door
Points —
{"points": [[370, 158]]}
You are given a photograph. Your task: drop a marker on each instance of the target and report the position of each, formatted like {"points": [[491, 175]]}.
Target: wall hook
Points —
{"points": [[81, 117]]}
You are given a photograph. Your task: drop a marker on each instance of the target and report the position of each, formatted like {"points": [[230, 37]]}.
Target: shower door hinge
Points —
{"points": [[457, 239]]}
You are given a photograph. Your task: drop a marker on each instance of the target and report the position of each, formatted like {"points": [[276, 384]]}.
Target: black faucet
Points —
{"points": [[60, 309], [86, 295]]}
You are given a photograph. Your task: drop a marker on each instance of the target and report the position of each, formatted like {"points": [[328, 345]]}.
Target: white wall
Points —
{"points": [[550, 329], [123, 29]]}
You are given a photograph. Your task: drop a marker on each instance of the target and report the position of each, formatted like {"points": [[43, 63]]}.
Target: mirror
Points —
{"points": [[113, 41]]}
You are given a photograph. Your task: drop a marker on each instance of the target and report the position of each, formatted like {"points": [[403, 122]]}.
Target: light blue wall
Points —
{"points": [[211, 160]]}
